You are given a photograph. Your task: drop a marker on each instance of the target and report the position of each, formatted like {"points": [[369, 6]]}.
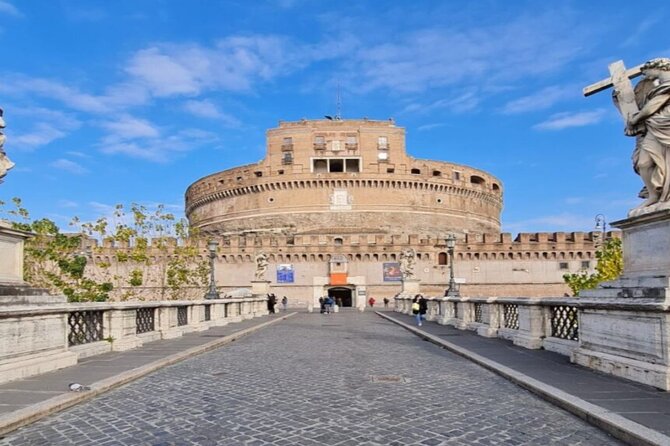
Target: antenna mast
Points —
{"points": [[338, 114]]}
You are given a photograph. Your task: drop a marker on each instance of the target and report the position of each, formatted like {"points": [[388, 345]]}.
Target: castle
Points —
{"points": [[335, 202]]}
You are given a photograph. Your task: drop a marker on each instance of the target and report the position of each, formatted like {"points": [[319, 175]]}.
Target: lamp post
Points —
{"points": [[601, 227], [212, 293], [451, 244]]}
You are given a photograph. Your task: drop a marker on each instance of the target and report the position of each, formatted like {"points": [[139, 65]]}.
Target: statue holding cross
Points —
{"points": [[5, 162], [646, 113]]}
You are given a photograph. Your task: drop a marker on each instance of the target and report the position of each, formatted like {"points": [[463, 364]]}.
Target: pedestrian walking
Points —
{"points": [[329, 304], [322, 304], [272, 301], [386, 302], [371, 302], [284, 302], [419, 308]]}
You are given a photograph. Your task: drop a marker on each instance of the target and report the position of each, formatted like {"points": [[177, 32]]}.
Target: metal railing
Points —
{"points": [[84, 327]]}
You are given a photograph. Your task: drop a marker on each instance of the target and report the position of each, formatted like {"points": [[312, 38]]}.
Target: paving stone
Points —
{"points": [[307, 381]]}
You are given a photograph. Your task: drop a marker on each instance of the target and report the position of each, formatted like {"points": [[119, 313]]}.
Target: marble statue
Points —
{"points": [[407, 263], [651, 128], [261, 265], [5, 162]]}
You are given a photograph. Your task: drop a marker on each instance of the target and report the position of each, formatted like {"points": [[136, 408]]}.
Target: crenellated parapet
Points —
{"points": [[373, 247]]}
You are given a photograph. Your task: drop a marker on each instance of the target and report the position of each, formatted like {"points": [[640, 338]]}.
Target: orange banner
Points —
{"points": [[338, 278]]}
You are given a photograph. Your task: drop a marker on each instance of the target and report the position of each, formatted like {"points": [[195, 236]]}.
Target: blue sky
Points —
{"points": [[132, 101]]}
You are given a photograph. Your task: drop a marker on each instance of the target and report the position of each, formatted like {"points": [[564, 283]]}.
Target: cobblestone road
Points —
{"points": [[307, 381]]}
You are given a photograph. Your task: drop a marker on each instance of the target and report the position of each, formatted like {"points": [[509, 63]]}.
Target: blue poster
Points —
{"points": [[392, 272], [284, 273]]}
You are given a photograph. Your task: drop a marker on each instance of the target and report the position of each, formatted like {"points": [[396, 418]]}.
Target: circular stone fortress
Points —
{"points": [[335, 203]]}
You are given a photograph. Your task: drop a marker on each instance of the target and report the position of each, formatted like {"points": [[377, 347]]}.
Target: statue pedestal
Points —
{"points": [[260, 287], [625, 323], [411, 287]]}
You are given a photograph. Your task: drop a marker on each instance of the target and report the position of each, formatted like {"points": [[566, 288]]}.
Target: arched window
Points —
{"points": [[338, 241], [474, 179], [416, 171], [442, 258]]}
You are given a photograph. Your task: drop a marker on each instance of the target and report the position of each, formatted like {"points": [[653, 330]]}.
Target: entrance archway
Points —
{"points": [[342, 296]]}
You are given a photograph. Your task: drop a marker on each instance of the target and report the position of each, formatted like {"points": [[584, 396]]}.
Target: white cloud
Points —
{"points": [[128, 127], [159, 149], [206, 109], [235, 63], [425, 127], [42, 134], [67, 203], [566, 120], [574, 200], [541, 100], [8, 8], [467, 56], [462, 103], [69, 166]]}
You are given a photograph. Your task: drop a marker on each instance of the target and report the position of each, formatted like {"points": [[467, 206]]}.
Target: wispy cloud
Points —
{"points": [[69, 166], [128, 127], [566, 120], [425, 127], [41, 134], [235, 63], [8, 8], [207, 109], [159, 149], [543, 99], [461, 103], [470, 56]]}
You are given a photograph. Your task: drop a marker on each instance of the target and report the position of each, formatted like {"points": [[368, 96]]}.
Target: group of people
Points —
{"points": [[372, 301], [272, 303], [327, 304]]}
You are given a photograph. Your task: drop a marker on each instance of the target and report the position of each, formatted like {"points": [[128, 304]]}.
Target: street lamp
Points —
{"points": [[453, 287], [601, 227], [212, 293]]}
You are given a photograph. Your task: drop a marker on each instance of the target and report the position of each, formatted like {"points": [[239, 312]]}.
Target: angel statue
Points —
{"points": [[5, 162], [651, 127], [261, 265], [407, 263]]}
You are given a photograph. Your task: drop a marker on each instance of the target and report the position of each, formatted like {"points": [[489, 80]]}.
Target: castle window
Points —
{"points": [[336, 165], [437, 173], [335, 146], [382, 143], [287, 144], [477, 180], [320, 166], [456, 176], [495, 187], [287, 158], [258, 174], [351, 143], [586, 264], [563, 265], [352, 165], [390, 170], [442, 258], [319, 143], [338, 241], [280, 172], [416, 171]]}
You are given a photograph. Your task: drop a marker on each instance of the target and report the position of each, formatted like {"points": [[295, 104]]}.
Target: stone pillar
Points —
{"points": [[624, 325], [120, 328], [411, 287], [531, 326], [492, 313], [260, 287]]}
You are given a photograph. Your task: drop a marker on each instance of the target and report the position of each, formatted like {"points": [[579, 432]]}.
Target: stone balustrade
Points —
{"points": [[37, 339], [552, 324]]}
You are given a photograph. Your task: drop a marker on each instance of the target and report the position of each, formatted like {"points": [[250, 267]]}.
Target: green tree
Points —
{"points": [[609, 267], [54, 260]]}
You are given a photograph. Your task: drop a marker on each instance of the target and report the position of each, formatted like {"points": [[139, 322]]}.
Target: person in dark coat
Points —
{"points": [[423, 308], [272, 301]]}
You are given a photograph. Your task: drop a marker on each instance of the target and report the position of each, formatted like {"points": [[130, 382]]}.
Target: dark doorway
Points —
{"points": [[341, 295]]}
